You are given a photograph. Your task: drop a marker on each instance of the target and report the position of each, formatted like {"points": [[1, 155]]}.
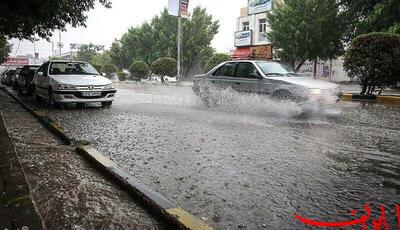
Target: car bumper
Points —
{"points": [[76, 97]]}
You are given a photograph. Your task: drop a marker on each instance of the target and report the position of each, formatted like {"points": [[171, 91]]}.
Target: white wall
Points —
{"points": [[336, 75], [254, 26]]}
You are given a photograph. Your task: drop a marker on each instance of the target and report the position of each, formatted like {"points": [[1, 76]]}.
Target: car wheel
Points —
{"points": [[106, 104], [282, 95], [52, 102]]}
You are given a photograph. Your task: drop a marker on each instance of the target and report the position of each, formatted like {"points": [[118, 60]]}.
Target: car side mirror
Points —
{"points": [[104, 74]]}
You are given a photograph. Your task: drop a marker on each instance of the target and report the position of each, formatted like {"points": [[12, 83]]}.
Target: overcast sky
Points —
{"points": [[104, 25]]}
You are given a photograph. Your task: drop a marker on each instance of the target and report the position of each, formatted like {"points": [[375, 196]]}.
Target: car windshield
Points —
{"points": [[274, 68], [72, 68]]}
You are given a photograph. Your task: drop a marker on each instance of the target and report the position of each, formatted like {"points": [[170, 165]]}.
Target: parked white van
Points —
{"points": [[63, 82]]}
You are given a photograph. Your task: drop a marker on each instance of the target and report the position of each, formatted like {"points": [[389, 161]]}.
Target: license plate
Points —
{"points": [[91, 94]]}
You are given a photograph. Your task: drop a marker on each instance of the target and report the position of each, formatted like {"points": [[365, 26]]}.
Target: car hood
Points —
{"points": [[307, 82], [81, 79]]}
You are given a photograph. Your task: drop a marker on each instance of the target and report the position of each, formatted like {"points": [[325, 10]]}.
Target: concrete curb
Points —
{"points": [[156, 202], [53, 126], [359, 97]]}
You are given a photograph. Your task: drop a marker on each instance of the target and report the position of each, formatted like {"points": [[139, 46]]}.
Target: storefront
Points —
{"points": [[251, 40]]}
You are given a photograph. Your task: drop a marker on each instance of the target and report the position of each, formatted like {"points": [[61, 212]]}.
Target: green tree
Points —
{"points": [[374, 60], [86, 53], [365, 16], [101, 58], [139, 69], [5, 48], [304, 30], [109, 69], [158, 39], [215, 60], [24, 19], [164, 67]]}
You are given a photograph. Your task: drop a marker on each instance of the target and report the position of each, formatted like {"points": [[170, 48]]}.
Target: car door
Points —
{"points": [[222, 78], [248, 78], [39, 80]]}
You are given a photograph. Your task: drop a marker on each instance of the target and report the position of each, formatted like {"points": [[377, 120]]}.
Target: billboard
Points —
{"points": [[184, 8], [259, 6], [16, 61], [243, 38], [178, 8]]}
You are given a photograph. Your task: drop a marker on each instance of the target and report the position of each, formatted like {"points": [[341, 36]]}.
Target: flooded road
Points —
{"points": [[251, 162]]}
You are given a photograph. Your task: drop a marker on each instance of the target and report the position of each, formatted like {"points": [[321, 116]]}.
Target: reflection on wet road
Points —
{"points": [[250, 162]]}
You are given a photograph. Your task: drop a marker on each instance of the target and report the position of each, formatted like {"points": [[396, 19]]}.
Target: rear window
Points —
{"points": [[225, 70]]}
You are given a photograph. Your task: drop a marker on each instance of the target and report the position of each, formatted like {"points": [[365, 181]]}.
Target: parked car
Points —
{"points": [[263, 77], [14, 78], [8, 77], [62, 82], [25, 79]]}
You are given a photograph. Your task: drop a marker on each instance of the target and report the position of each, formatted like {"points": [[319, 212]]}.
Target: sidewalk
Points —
{"points": [[67, 191], [355, 89], [16, 206]]}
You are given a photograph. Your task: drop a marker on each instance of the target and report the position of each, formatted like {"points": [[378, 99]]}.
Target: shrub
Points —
{"points": [[215, 60], [97, 67], [373, 59], [139, 69], [164, 67], [122, 76], [109, 69]]}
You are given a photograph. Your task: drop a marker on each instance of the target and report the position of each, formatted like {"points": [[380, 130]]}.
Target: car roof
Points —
{"points": [[66, 61]]}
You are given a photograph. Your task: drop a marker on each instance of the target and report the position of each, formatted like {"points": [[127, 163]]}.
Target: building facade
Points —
{"points": [[251, 39]]}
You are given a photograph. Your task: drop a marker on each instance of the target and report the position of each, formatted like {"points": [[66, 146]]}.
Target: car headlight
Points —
{"points": [[110, 86], [315, 91], [66, 87]]}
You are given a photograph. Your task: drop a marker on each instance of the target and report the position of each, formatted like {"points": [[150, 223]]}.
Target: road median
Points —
{"points": [[371, 98]]}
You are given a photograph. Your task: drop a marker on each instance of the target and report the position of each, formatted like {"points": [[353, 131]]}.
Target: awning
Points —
{"points": [[242, 53]]}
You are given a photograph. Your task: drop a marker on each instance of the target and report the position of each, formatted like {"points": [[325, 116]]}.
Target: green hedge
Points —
{"points": [[122, 76], [109, 69], [164, 67], [139, 69], [374, 60]]}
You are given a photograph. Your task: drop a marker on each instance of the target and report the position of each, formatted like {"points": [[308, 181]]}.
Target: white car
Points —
{"points": [[63, 82], [167, 79]]}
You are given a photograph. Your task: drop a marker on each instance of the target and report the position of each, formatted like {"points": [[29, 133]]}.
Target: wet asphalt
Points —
{"points": [[250, 162]]}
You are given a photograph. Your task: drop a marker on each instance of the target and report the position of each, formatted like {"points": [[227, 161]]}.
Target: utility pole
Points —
{"points": [[179, 46], [59, 42]]}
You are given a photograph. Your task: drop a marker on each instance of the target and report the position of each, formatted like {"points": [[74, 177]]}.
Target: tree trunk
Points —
{"points": [[299, 66]]}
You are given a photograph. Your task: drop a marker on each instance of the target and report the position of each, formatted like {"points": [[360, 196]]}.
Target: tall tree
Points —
{"points": [[158, 39], [304, 30], [24, 19], [5, 48], [86, 53], [365, 16]]}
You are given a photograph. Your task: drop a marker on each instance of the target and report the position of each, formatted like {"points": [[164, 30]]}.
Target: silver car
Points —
{"points": [[263, 77]]}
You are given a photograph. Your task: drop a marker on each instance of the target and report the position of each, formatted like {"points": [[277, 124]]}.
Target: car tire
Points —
{"points": [[52, 102], [282, 95], [106, 104]]}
